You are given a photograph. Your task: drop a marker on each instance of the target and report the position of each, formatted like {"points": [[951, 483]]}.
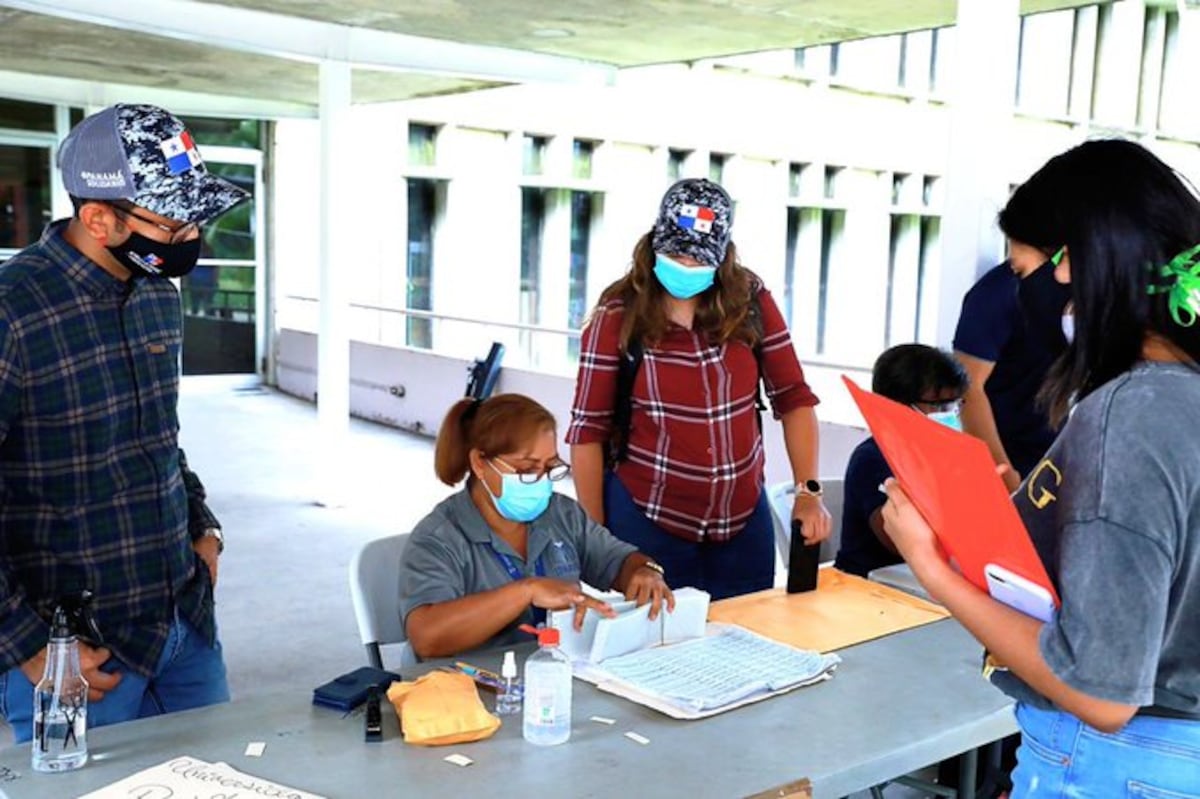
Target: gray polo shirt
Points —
{"points": [[452, 553], [1114, 511]]}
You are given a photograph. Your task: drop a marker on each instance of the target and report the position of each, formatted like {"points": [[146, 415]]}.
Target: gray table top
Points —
{"points": [[896, 704]]}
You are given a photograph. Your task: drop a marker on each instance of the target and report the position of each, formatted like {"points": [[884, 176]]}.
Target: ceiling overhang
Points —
{"points": [[262, 55]]}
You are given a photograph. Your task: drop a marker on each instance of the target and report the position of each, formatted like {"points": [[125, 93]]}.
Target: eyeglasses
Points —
{"points": [[939, 405], [554, 472], [181, 232]]}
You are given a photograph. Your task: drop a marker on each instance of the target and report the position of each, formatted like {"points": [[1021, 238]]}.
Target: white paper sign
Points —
{"points": [[186, 777]]}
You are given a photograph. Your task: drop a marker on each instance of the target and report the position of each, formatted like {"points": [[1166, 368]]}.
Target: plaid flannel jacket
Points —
{"points": [[94, 490], [695, 460]]}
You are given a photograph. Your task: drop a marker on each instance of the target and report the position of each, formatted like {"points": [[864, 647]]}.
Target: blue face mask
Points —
{"points": [[952, 419], [680, 281], [520, 502]]}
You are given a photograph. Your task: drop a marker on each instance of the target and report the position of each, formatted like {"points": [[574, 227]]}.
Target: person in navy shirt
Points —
{"points": [[932, 382], [1008, 335]]}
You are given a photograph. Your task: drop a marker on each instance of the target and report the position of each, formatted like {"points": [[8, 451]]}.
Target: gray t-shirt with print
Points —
{"points": [[453, 553], [1114, 511]]}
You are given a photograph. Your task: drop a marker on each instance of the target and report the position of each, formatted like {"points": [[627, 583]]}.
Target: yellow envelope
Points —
{"points": [[441, 708]]}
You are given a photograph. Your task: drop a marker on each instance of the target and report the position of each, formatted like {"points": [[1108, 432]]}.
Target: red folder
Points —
{"points": [[951, 478]]}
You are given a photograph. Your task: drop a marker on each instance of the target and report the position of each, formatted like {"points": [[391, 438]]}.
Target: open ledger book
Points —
{"points": [[681, 665]]}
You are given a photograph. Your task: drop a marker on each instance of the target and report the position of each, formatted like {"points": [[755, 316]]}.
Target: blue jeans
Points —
{"points": [[743, 564], [1151, 757], [189, 674]]}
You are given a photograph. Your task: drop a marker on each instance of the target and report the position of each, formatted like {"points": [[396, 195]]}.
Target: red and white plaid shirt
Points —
{"points": [[695, 460]]}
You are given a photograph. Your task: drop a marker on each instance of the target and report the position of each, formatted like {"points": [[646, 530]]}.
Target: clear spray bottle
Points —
{"points": [[60, 703]]}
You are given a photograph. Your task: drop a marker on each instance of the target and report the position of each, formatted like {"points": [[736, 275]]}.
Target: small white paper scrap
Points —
{"points": [[633, 736], [458, 760], [255, 749], [602, 720]]}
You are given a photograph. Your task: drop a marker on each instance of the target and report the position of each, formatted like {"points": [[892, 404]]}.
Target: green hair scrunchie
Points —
{"points": [[1183, 288]]}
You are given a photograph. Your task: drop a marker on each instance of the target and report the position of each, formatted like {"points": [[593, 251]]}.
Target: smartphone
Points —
{"points": [[1019, 593], [803, 561]]}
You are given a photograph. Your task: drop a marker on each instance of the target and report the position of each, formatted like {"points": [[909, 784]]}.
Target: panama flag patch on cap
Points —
{"points": [[696, 217], [180, 152]]}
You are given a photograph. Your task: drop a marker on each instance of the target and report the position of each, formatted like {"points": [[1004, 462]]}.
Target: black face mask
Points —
{"points": [[148, 258], [1043, 300]]}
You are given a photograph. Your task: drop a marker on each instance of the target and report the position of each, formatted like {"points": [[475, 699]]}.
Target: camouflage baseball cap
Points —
{"points": [[694, 219], [142, 154]]}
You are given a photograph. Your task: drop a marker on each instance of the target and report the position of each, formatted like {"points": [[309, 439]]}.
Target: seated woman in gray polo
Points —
{"points": [[507, 548]]}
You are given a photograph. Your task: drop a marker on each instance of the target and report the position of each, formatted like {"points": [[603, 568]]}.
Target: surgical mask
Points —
{"points": [[1068, 326], [1043, 300], [952, 419], [680, 281], [148, 258], [518, 501]]}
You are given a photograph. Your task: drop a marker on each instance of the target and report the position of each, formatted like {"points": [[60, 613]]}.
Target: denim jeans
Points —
{"points": [[1151, 758], [743, 564], [189, 674]]}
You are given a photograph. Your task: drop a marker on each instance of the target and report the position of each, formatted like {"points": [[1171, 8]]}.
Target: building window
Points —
{"points": [[17, 115], [798, 59], [422, 144], [422, 217], [582, 207], [24, 195], [581, 161], [676, 159], [214, 132], [833, 226], [533, 154], [835, 57], [798, 177], [716, 166], [833, 174], [533, 223]]}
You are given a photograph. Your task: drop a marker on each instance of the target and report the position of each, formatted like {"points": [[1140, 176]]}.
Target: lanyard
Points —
{"points": [[510, 566]]}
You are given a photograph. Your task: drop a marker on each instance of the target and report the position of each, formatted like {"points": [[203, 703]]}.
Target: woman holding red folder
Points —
{"points": [[1107, 691]]}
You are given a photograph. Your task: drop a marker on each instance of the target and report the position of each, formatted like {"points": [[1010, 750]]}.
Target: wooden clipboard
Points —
{"points": [[843, 611]]}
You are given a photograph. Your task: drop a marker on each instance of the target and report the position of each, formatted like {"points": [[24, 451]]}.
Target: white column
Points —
{"points": [[981, 98], [333, 340], [60, 202]]}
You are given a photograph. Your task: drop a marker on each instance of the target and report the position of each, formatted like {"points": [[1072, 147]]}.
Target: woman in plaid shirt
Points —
{"points": [[682, 479]]}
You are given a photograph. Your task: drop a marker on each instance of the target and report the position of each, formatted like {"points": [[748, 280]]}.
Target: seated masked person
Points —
{"points": [[932, 382], [507, 547]]}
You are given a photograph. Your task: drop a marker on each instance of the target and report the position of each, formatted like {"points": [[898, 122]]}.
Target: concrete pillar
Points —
{"points": [[980, 101], [335, 233]]}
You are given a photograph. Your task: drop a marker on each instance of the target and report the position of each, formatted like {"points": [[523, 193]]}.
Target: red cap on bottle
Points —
{"points": [[547, 636]]}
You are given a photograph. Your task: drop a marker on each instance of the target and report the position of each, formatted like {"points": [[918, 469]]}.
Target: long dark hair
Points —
{"points": [[1121, 213], [722, 313]]}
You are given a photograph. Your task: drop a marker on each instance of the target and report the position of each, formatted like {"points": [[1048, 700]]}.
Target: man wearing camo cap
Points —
{"points": [[95, 494]]}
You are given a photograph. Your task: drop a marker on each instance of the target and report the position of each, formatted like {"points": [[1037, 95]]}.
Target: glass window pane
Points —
{"points": [[422, 144], [422, 213], [231, 235], [225, 132], [24, 194], [226, 292], [581, 239], [26, 116]]}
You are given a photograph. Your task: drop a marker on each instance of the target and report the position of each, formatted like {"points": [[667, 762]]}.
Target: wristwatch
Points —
{"points": [[809, 488], [650, 564], [215, 532]]}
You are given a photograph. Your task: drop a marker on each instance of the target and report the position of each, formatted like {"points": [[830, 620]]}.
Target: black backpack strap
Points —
{"points": [[628, 364], [756, 322]]}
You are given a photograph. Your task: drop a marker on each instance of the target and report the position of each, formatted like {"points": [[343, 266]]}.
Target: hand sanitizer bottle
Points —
{"points": [[508, 699], [60, 703], [547, 719]]}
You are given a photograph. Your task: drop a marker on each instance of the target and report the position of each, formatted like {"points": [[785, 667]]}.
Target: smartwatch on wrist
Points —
{"points": [[809, 488], [215, 532]]}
